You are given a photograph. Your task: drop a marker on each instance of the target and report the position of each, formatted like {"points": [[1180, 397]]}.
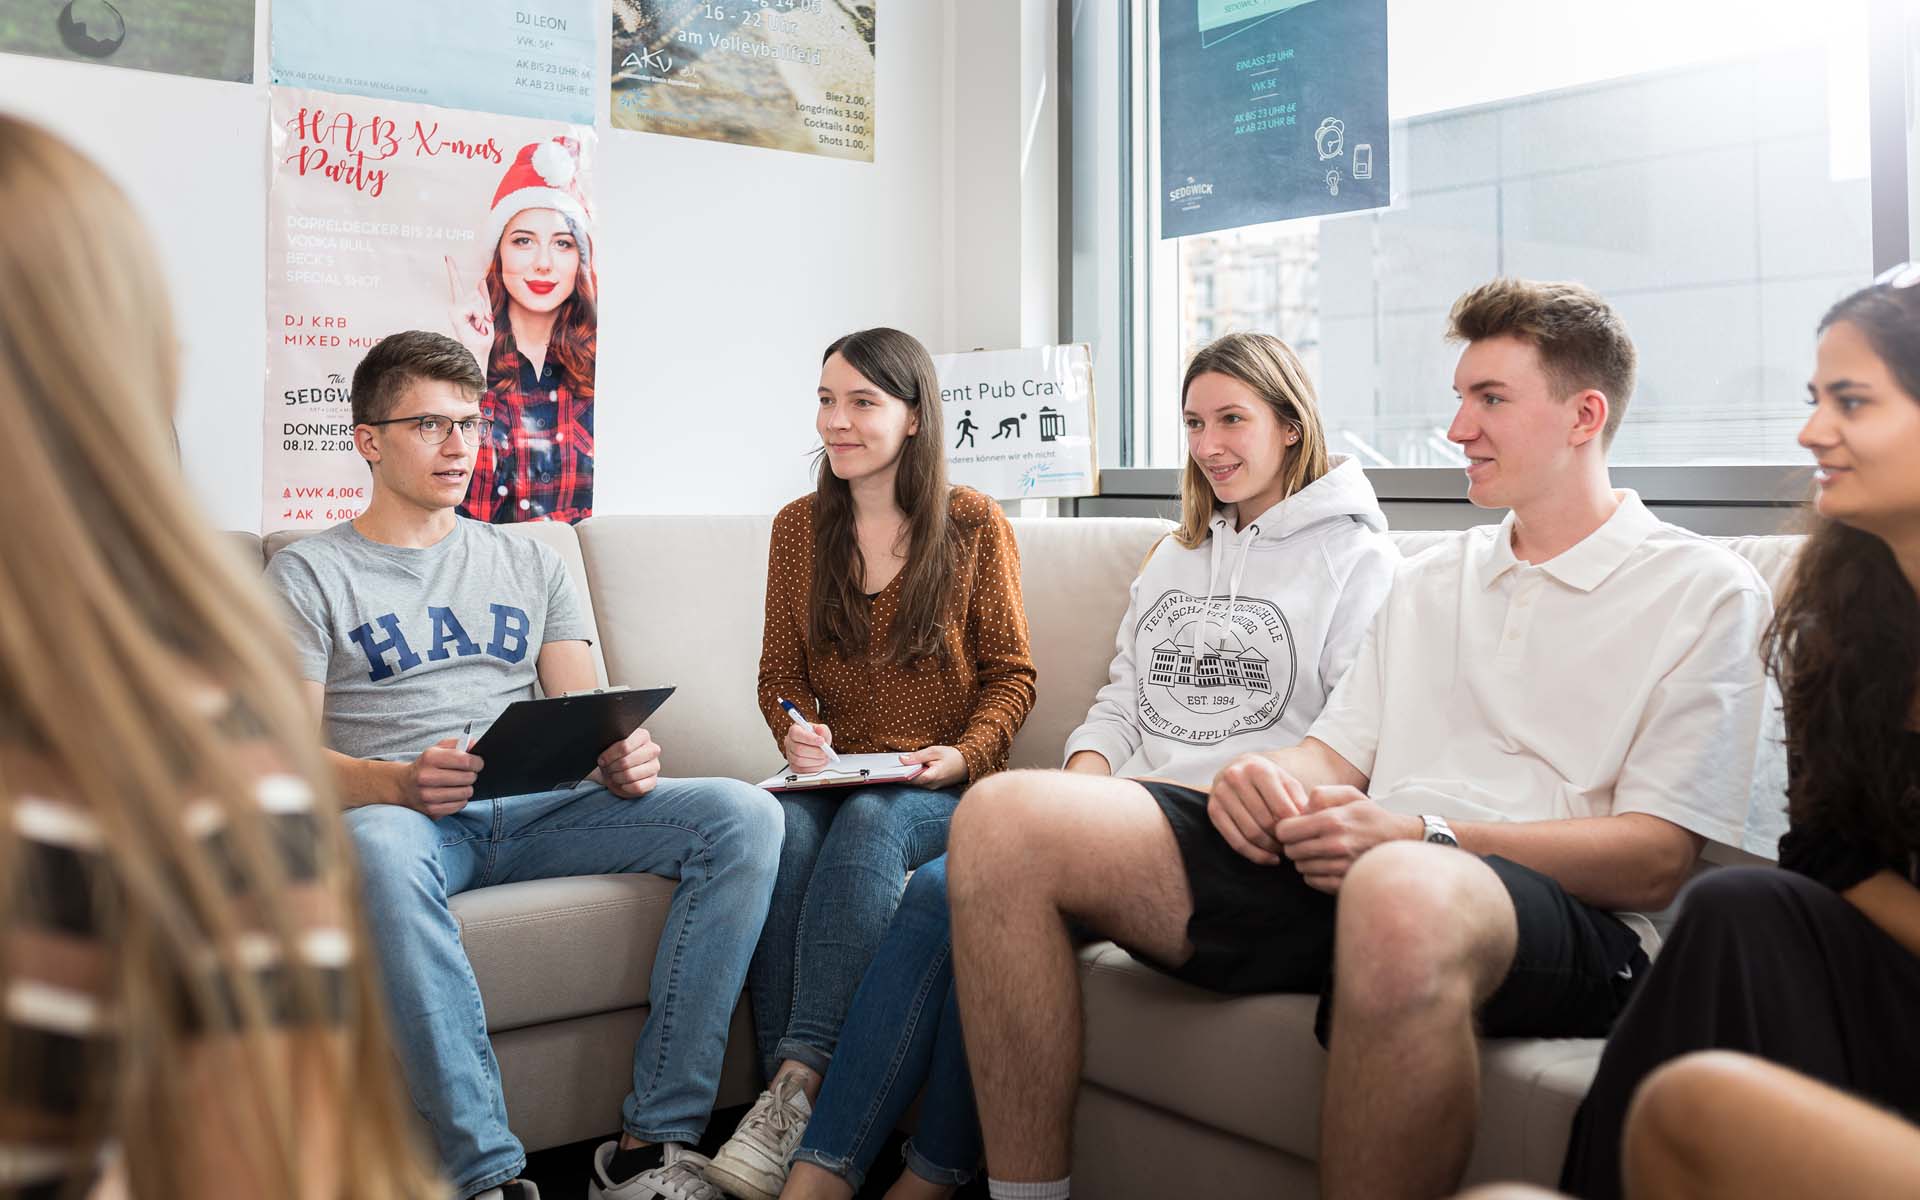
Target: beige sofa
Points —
{"points": [[1181, 1086]]}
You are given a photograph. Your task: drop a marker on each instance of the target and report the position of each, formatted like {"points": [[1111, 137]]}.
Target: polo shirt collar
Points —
{"points": [[1586, 564]]}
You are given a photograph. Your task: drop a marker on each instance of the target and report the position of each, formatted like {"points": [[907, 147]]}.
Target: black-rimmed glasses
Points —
{"points": [[434, 428]]}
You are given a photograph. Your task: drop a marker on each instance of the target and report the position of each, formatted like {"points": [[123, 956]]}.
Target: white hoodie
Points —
{"points": [[1235, 645]]}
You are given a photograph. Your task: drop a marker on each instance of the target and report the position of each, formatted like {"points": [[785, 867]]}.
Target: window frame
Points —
{"points": [[1149, 333]]}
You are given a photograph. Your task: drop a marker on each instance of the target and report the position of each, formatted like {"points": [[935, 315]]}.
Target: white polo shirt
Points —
{"points": [[1621, 676]]}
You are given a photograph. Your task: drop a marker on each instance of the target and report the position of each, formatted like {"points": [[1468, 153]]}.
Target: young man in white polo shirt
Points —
{"points": [[1571, 697]]}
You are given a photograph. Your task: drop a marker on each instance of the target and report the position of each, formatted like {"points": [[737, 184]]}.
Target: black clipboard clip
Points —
{"points": [[864, 773]]}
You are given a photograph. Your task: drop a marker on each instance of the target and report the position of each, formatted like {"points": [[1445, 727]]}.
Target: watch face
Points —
{"points": [[1441, 839]]}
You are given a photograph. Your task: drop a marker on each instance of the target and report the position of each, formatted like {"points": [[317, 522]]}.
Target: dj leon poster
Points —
{"points": [[386, 216], [531, 58]]}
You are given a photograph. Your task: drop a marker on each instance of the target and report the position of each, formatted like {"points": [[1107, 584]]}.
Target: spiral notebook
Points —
{"points": [[854, 769]]}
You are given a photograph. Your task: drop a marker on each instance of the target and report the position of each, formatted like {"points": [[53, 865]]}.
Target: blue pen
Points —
{"points": [[801, 721]]}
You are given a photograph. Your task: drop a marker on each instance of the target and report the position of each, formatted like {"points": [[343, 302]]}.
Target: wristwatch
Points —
{"points": [[1438, 831]]}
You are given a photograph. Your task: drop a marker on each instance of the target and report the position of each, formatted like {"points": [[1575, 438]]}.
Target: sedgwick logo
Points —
{"points": [[336, 392], [1191, 190]]}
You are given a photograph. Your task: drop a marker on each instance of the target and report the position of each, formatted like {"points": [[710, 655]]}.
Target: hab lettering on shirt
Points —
{"points": [[1240, 680], [391, 652]]}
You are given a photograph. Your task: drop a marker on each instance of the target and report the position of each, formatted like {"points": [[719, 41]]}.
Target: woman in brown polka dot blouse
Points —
{"points": [[894, 622]]}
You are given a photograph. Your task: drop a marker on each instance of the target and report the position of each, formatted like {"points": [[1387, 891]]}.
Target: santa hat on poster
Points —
{"points": [[543, 175]]}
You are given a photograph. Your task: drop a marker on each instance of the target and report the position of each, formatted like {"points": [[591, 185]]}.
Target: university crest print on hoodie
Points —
{"points": [[1235, 645]]}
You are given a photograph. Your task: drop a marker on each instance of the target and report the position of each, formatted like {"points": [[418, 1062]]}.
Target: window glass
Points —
{"points": [[1701, 163]]}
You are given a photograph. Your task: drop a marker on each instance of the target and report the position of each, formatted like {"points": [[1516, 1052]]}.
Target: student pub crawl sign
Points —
{"points": [[1020, 422], [1270, 109]]}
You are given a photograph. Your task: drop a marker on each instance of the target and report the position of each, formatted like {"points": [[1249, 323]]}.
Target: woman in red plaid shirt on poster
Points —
{"points": [[533, 324]]}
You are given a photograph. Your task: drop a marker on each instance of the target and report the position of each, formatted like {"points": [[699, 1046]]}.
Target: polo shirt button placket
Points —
{"points": [[1519, 612]]}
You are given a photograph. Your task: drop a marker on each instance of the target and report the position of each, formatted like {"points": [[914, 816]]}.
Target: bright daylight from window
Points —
{"points": [[1701, 163]]}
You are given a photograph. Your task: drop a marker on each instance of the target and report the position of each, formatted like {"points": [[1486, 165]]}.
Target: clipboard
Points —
{"points": [[854, 770], [545, 745]]}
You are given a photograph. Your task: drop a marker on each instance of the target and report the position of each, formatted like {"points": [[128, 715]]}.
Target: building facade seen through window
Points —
{"points": [[1718, 197]]}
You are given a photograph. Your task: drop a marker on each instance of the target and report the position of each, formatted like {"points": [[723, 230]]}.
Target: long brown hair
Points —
{"points": [[576, 326], [140, 671], [1268, 366], [900, 366], [1845, 641]]}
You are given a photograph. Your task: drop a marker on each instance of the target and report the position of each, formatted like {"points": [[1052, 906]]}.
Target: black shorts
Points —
{"points": [[1262, 929]]}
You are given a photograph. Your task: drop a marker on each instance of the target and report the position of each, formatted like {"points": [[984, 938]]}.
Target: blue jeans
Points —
{"points": [[719, 837], [843, 866], [905, 1034]]}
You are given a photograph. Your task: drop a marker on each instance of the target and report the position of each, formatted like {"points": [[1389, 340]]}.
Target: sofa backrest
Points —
{"points": [[680, 600], [1074, 576]]}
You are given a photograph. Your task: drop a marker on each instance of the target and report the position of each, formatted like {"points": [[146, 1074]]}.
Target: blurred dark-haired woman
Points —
{"points": [[1816, 967]]}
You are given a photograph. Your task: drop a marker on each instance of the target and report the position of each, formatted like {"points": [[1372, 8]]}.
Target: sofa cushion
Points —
{"points": [[680, 602], [1074, 578], [247, 545], [1251, 1066], [551, 949], [1245, 1064]]}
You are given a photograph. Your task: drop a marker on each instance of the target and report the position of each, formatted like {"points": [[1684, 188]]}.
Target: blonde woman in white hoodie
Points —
{"points": [[1239, 626]]}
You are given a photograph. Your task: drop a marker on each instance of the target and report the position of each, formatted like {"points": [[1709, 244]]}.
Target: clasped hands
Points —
{"points": [[440, 782], [1265, 814]]}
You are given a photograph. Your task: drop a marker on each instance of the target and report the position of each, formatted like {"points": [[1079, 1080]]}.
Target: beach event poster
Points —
{"points": [[782, 74], [1269, 110], [386, 216], [212, 39], [1020, 422], [527, 58]]}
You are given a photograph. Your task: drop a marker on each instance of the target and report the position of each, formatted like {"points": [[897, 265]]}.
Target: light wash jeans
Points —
{"points": [[902, 1034], [719, 837], [843, 866]]}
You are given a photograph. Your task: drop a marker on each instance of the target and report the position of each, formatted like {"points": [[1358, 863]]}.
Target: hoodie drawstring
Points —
{"points": [[1213, 581], [1240, 568], [1206, 601]]}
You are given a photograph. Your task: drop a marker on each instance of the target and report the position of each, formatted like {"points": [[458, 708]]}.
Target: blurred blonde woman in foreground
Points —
{"points": [[187, 1010]]}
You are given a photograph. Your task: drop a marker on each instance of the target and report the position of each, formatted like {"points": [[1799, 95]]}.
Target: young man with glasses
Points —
{"points": [[414, 627]]}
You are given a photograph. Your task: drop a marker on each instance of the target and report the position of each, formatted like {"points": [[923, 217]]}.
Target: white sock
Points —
{"points": [[1053, 1189]]}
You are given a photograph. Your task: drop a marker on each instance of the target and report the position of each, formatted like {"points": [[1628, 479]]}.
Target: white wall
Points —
{"points": [[724, 270], [193, 155]]}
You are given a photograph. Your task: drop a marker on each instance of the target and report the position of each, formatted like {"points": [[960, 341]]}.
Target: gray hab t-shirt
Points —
{"points": [[413, 644]]}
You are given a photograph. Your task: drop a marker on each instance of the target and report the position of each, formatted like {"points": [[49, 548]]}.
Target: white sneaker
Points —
{"points": [[753, 1163], [676, 1178]]}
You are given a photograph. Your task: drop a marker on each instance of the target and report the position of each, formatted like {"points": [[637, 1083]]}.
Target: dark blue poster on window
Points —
{"points": [[1270, 109]]}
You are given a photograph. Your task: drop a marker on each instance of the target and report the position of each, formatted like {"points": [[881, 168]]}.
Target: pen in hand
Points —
{"points": [[793, 714], [466, 738]]}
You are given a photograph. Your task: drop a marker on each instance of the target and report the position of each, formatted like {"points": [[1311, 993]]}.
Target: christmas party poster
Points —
{"points": [[385, 216]]}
